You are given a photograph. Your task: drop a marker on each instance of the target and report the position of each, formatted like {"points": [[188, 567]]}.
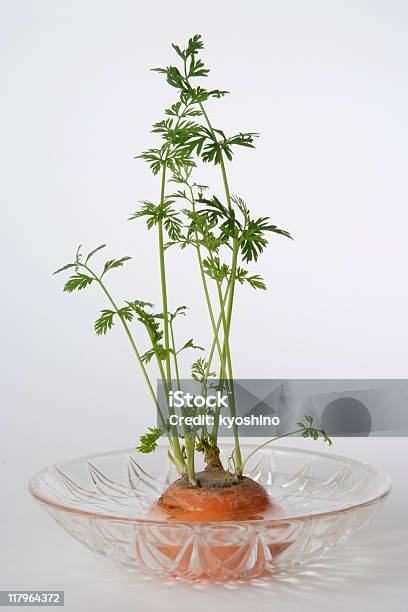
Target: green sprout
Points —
{"points": [[225, 238]]}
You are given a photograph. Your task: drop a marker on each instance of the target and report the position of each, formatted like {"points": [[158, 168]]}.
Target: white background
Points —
{"points": [[326, 85]]}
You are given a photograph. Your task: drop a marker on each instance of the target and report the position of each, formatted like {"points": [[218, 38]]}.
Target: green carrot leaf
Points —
{"points": [[104, 322], [190, 344], [215, 269], [126, 313], [148, 441], [158, 351], [92, 253], [66, 267], [114, 263], [77, 282], [199, 371], [312, 432], [255, 281]]}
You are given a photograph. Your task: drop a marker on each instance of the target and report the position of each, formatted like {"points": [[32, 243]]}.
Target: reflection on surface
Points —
{"points": [[362, 561]]}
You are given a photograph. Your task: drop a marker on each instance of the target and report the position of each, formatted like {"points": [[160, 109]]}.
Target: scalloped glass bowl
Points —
{"points": [[107, 502]]}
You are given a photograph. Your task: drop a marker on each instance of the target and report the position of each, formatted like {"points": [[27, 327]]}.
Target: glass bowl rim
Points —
{"points": [[378, 472]]}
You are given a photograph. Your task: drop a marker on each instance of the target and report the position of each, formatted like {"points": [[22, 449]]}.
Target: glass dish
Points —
{"points": [[107, 502]]}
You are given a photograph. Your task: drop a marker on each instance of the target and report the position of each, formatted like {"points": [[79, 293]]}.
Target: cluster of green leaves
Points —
{"points": [[186, 137], [308, 431], [149, 440], [182, 135], [215, 225], [183, 108], [106, 320], [175, 130], [211, 145], [171, 157], [202, 231], [200, 371], [149, 319], [249, 232], [255, 280], [220, 271], [192, 67], [215, 268], [81, 280], [165, 212]]}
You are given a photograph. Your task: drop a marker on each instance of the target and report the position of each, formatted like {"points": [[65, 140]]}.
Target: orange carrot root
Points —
{"points": [[217, 497]]}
